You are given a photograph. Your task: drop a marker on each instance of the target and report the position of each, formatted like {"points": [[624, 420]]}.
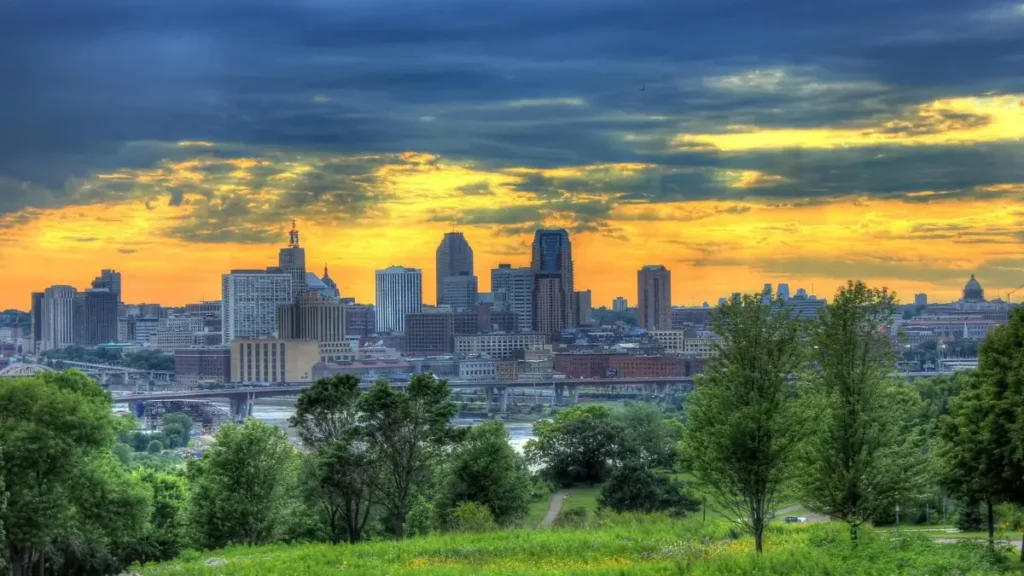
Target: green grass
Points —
{"points": [[583, 497], [617, 545]]}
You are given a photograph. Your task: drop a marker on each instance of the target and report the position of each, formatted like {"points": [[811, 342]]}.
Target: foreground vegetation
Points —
{"points": [[623, 544]]}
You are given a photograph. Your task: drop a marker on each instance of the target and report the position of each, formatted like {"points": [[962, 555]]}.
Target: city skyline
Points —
{"points": [[875, 141]]}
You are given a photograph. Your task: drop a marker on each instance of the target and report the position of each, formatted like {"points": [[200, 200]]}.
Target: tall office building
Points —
{"points": [[312, 317], [399, 292], [458, 292], [454, 258], [249, 301], [783, 290], [583, 303], [620, 304], [99, 317], [360, 319], [516, 287], [292, 261], [58, 317], [37, 321], [654, 297], [920, 299], [553, 301], [109, 280]]}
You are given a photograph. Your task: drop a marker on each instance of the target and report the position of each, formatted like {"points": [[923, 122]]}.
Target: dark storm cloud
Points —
{"points": [[99, 86]]}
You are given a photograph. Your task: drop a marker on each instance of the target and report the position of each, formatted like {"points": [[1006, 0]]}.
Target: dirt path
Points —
{"points": [[554, 508]]}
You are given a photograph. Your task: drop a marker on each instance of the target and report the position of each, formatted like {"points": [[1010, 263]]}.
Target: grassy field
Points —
{"points": [[623, 545], [538, 509], [583, 497]]}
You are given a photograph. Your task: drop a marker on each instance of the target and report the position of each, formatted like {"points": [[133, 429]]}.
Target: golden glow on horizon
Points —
{"points": [[712, 247]]}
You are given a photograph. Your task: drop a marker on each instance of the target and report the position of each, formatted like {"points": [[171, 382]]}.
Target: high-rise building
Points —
{"points": [[430, 332], [58, 317], [553, 301], [458, 292], [249, 300], [399, 292], [783, 290], [37, 321], [292, 261], [360, 319], [619, 304], [516, 287], [654, 297], [920, 299], [583, 303], [109, 280], [100, 317], [332, 287], [454, 258], [273, 360], [312, 317]]}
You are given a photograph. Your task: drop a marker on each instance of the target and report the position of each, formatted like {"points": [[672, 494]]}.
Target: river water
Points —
{"points": [[519, 432]]}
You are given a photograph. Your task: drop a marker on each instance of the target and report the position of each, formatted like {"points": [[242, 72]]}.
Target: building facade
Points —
{"points": [[454, 258], [249, 301], [514, 286], [430, 333], [619, 304], [100, 316], [399, 292], [37, 321], [312, 317], [109, 280], [58, 317], [360, 319], [273, 361], [552, 266], [584, 308], [497, 346], [458, 292], [196, 365], [654, 297]]}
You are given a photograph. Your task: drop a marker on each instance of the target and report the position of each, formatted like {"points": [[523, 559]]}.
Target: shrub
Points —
{"points": [[572, 518], [472, 517]]}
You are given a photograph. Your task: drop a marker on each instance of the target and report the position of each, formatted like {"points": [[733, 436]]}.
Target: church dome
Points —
{"points": [[973, 292]]}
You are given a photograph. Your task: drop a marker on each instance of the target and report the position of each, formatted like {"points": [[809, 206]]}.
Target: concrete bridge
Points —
{"points": [[104, 373], [241, 399]]}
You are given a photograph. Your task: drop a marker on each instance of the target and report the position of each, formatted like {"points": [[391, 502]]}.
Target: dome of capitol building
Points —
{"points": [[973, 292]]}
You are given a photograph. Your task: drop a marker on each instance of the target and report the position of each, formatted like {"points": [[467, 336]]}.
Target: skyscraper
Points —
{"points": [[620, 304], [583, 303], [37, 321], [58, 317], [312, 317], [109, 280], [783, 290], [654, 297], [459, 292], [516, 285], [399, 292], [292, 261], [249, 301], [99, 316], [553, 302], [454, 258]]}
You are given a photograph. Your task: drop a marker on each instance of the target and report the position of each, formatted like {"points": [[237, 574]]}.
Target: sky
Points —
{"points": [[736, 142]]}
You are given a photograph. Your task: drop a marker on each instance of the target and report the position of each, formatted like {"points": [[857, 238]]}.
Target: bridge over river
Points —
{"points": [[241, 399]]}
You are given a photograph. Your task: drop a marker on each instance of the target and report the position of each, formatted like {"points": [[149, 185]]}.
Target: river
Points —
{"points": [[519, 432]]}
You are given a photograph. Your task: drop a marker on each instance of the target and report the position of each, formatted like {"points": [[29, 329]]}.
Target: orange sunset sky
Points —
{"points": [[734, 156]]}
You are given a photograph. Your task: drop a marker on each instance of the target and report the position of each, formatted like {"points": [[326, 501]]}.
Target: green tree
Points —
{"points": [[860, 460], [155, 447], [177, 428], [487, 470], [634, 487], [744, 422], [972, 455], [647, 436], [240, 488], [339, 483], [51, 428], [577, 445], [404, 434], [328, 410], [167, 532]]}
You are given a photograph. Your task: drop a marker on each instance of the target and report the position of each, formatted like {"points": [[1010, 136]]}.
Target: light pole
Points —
{"points": [[897, 520]]}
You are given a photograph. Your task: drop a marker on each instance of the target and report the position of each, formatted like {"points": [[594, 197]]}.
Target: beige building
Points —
{"points": [[674, 341], [497, 346], [273, 360], [335, 352], [703, 346]]}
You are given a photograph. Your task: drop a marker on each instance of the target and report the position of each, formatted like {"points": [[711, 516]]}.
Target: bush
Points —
{"points": [[155, 447], [575, 517], [472, 517], [634, 487], [420, 519], [969, 517]]}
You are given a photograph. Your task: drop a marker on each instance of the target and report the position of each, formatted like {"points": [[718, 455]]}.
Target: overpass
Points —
{"points": [[103, 371], [241, 399]]}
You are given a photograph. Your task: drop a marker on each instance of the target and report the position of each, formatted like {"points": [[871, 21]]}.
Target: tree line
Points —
{"points": [[813, 411]]}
